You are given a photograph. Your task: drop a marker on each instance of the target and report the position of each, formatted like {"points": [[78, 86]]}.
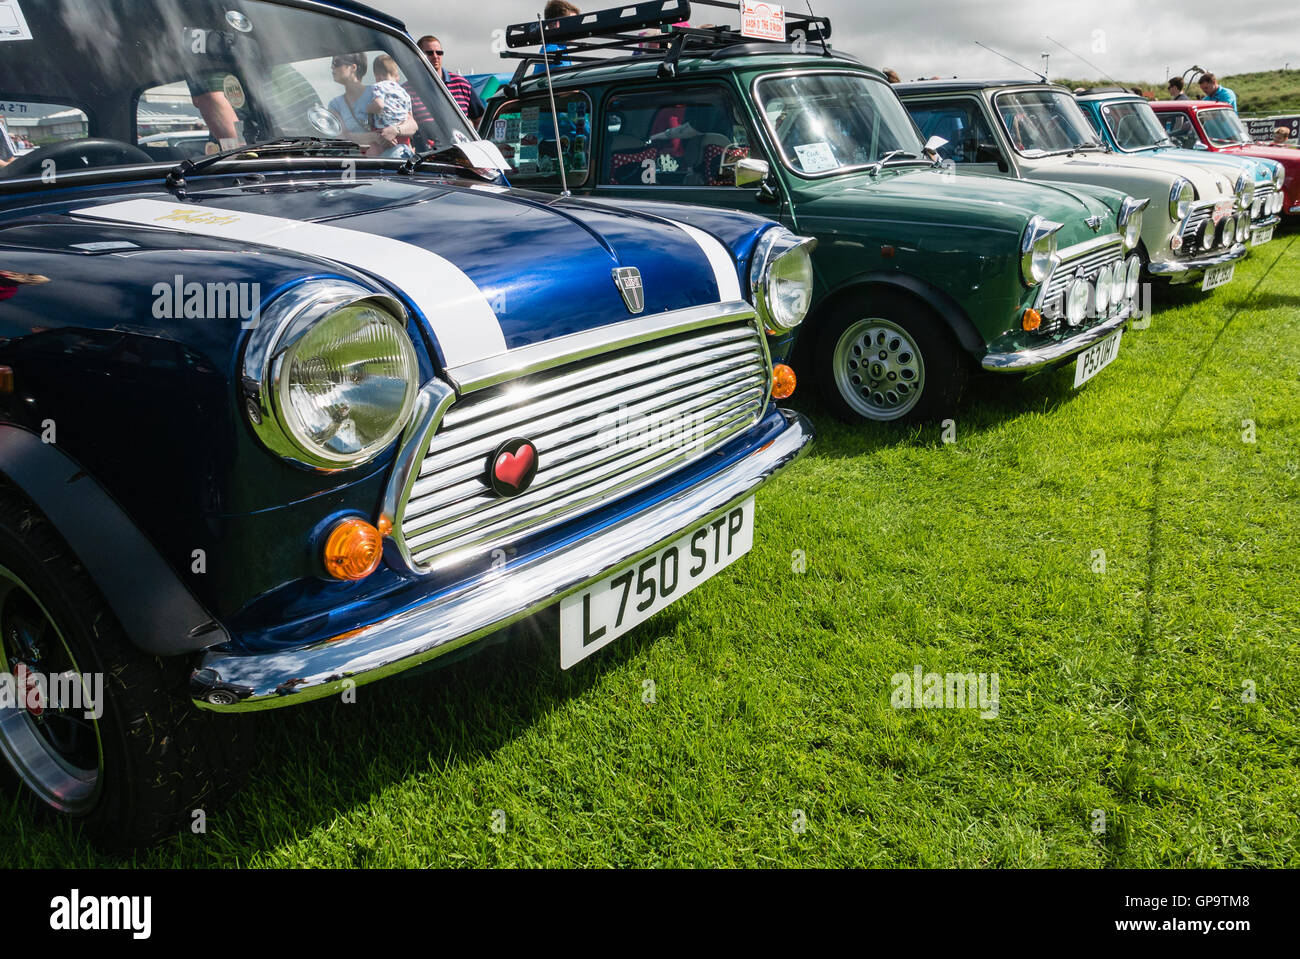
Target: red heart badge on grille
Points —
{"points": [[512, 467]]}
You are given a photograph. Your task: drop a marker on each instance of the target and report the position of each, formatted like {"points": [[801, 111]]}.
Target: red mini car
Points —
{"points": [[1201, 125]]}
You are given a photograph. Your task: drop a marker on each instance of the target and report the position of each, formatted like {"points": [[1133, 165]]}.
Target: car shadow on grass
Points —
{"points": [[989, 401], [323, 760]]}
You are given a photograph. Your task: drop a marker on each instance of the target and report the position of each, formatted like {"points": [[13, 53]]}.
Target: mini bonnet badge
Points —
{"points": [[628, 281]]}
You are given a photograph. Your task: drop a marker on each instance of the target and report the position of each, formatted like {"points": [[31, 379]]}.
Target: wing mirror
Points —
{"points": [[749, 172]]}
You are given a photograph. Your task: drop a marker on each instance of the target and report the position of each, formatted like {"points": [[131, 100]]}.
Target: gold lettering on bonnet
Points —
{"points": [[199, 217]]}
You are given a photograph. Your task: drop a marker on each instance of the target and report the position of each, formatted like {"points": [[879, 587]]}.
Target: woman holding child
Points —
{"points": [[373, 114]]}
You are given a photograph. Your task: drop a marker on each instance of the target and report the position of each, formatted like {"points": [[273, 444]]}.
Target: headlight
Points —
{"points": [[1207, 234], [782, 279], [1117, 283], [330, 375], [1037, 250], [1076, 302], [1130, 221], [1181, 198], [1101, 292], [1134, 276], [1245, 190]]}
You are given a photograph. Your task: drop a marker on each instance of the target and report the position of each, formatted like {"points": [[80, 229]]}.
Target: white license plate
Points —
{"points": [[1096, 358], [605, 611], [1217, 276], [1260, 237]]}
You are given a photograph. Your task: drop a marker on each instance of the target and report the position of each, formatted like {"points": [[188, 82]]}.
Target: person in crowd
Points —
{"points": [[1281, 136], [1138, 91], [390, 104], [461, 90], [350, 107], [1213, 91], [1176, 91], [892, 76], [554, 10]]}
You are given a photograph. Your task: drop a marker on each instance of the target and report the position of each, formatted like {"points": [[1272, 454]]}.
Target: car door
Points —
{"points": [[679, 143]]}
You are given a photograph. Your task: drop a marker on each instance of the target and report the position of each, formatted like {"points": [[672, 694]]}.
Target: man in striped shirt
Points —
{"points": [[469, 102]]}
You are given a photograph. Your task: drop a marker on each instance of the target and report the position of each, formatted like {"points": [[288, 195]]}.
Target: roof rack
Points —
{"points": [[605, 36]]}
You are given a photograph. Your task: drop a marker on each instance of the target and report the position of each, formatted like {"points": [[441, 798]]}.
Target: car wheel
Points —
{"points": [[884, 358], [131, 766]]}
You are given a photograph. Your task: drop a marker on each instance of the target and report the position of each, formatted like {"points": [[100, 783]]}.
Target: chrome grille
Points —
{"points": [[1192, 230], [1262, 195], [1090, 260], [603, 426]]}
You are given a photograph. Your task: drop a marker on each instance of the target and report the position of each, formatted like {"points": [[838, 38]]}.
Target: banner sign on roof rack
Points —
{"points": [[762, 21]]}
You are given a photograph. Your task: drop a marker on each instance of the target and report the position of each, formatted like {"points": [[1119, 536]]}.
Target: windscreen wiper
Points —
{"points": [[892, 154], [450, 157], [192, 165]]}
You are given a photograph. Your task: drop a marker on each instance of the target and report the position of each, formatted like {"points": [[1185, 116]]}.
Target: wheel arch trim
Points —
{"points": [[944, 306], [159, 613]]}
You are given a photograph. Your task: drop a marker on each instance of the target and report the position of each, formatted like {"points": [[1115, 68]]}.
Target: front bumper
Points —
{"points": [[265, 680], [1183, 269], [1040, 357]]}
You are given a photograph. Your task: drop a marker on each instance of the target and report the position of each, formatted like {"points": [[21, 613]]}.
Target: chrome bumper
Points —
{"points": [[266, 680], [1265, 223], [1027, 361], [1179, 267]]}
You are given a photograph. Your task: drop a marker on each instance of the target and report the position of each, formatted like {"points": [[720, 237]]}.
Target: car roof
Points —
{"points": [[959, 84], [1192, 104], [774, 56], [1109, 95], [353, 6]]}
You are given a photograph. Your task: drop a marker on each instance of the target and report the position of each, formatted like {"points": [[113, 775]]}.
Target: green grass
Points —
{"points": [[1120, 692], [1264, 93]]}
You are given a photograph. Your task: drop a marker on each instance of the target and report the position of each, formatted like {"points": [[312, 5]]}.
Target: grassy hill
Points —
{"points": [[1258, 94]]}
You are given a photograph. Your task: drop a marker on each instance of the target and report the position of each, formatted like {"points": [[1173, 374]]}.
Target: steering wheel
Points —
{"points": [[77, 155]]}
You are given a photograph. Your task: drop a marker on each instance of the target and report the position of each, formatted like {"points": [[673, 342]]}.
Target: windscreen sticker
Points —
{"points": [[816, 157], [457, 311], [13, 25], [234, 91]]}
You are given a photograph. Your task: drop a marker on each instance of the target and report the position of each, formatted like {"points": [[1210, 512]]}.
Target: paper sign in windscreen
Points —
{"points": [[13, 25]]}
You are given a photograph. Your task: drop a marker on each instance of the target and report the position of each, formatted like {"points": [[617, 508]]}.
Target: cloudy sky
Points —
{"points": [[1124, 38]]}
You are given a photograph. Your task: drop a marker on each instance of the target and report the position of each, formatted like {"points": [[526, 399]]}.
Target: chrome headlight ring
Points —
{"points": [[1181, 197], [1245, 190], [782, 258], [276, 397], [1038, 250], [1130, 220]]}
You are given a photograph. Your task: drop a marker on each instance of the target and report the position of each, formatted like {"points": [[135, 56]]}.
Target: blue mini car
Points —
{"points": [[326, 399]]}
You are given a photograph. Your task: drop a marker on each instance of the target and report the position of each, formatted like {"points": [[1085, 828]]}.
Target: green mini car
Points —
{"points": [[922, 276]]}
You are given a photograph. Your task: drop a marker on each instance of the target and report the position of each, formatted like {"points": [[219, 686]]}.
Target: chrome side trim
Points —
{"points": [[523, 360], [1027, 361], [256, 681], [431, 405]]}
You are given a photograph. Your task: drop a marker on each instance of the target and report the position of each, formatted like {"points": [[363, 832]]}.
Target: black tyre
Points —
{"points": [[138, 770], [884, 357]]}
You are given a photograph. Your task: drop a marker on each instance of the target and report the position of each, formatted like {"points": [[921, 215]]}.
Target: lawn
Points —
{"points": [[1148, 712]]}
